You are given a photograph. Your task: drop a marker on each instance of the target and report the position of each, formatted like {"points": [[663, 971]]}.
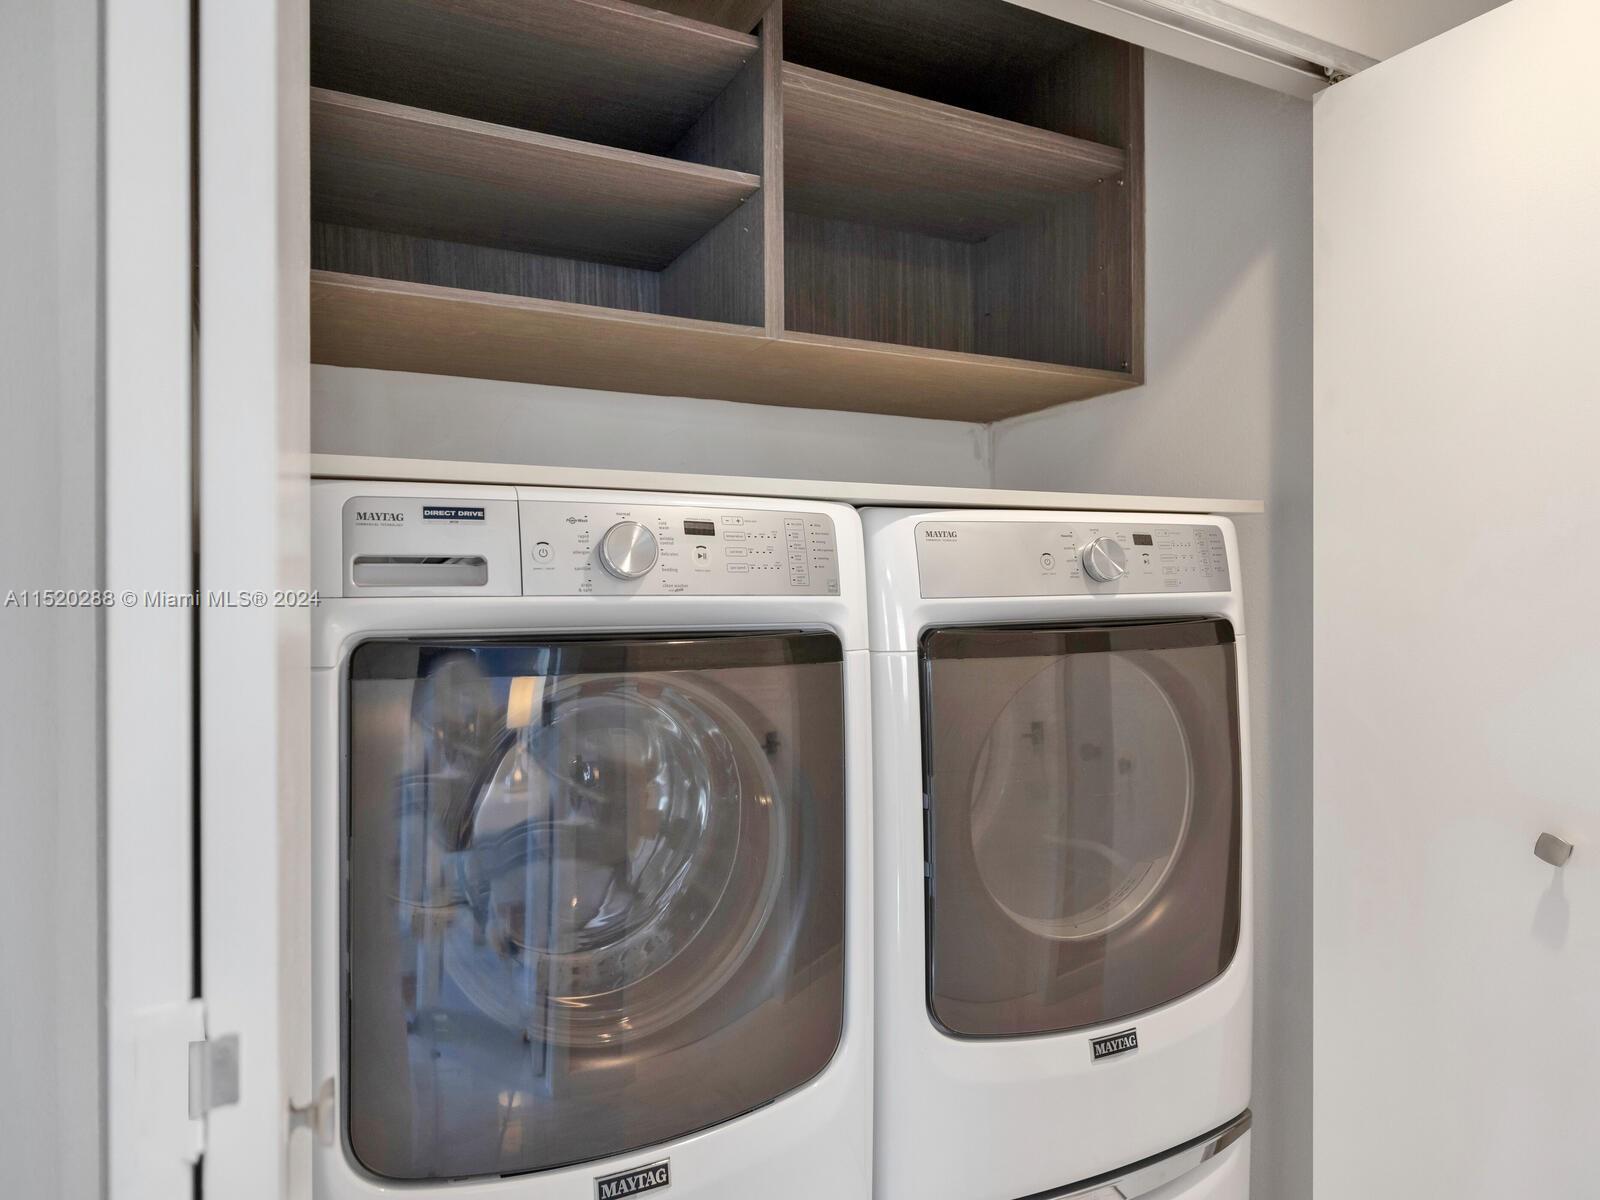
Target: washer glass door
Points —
{"points": [[595, 897], [1084, 810]]}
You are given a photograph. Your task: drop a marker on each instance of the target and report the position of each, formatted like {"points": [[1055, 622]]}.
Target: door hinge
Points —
{"points": [[213, 1074], [156, 1094], [316, 1118]]}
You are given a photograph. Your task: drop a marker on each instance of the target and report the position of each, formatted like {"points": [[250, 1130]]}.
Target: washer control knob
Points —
{"points": [[1104, 560], [628, 550]]}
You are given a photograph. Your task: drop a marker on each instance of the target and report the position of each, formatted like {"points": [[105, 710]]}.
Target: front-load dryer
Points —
{"points": [[591, 840], [1062, 855]]}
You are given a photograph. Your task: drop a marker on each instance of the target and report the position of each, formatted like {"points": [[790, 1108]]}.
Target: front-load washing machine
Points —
{"points": [[1062, 855], [591, 839]]}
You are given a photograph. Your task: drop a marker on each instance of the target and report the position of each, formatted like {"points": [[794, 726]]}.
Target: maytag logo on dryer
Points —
{"points": [[632, 1183], [445, 512], [940, 535], [1114, 1044], [375, 516]]}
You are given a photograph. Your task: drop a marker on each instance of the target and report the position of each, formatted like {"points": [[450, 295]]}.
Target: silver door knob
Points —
{"points": [[628, 550], [1553, 850], [1105, 560]]}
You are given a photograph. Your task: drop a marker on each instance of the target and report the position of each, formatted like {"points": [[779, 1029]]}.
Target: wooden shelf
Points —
{"points": [[393, 325], [810, 370], [386, 166], [856, 152], [399, 326], [600, 70]]}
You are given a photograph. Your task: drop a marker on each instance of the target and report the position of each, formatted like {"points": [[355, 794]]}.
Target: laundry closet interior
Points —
{"points": [[962, 244], [954, 255]]}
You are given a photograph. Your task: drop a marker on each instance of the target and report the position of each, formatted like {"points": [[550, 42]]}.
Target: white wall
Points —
{"points": [[357, 411], [1227, 412], [1376, 28], [51, 1111]]}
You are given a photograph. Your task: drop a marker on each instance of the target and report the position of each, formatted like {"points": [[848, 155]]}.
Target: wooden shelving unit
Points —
{"points": [[730, 221]]}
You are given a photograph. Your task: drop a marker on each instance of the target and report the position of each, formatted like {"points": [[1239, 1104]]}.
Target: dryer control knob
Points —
{"points": [[628, 550], [1105, 560]]}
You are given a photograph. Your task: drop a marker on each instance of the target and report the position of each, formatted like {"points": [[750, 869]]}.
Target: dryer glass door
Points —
{"points": [[595, 894], [1084, 812]]}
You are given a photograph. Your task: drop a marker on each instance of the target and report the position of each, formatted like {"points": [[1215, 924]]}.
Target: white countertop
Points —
{"points": [[889, 495]]}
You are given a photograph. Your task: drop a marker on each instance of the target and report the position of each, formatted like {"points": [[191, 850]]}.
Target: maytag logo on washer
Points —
{"points": [[1114, 1043], [632, 1183], [942, 535], [379, 517]]}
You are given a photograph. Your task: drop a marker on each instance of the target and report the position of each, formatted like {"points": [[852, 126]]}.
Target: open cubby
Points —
{"points": [[886, 205], [587, 152], [605, 71], [405, 170], [977, 190]]}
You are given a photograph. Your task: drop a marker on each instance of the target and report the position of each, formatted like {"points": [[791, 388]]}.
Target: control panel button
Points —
{"points": [[1104, 560], [1047, 561], [628, 550]]}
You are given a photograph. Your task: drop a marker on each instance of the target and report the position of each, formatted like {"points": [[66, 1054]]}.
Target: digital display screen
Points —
{"points": [[700, 529], [1143, 539]]}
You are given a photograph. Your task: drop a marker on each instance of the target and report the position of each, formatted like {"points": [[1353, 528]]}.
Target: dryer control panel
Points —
{"points": [[964, 559], [575, 548]]}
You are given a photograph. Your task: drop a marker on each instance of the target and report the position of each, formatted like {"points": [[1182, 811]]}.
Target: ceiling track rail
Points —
{"points": [[1232, 27]]}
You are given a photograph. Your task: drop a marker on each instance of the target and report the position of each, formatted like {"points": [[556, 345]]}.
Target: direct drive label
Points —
{"points": [[441, 512]]}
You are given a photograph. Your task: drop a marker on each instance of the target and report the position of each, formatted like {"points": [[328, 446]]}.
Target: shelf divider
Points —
{"points": [[772, 149]]}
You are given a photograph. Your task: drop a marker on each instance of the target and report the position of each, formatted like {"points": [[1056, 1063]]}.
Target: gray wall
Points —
{"points": [[424, 416], [51, 1120], [1227, 412]]}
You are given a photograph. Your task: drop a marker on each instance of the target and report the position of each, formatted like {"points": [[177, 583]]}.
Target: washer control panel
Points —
{"points": [[960, 559], [614, 549]]}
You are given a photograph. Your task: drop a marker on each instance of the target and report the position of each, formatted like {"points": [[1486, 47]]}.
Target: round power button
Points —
{"points": [[1047, 561]]}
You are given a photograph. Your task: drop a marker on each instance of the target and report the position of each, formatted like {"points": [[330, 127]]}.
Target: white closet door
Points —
{"points": [[1458, 614]]}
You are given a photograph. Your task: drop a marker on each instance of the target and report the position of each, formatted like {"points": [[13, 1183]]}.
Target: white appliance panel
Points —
{"points": [[700, 550], [1045, 558]]}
